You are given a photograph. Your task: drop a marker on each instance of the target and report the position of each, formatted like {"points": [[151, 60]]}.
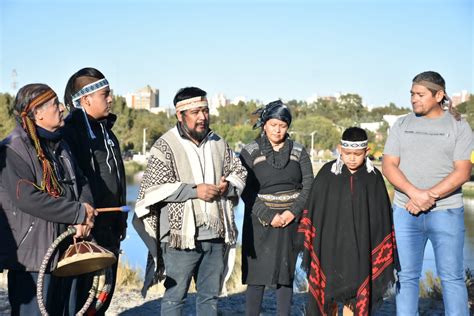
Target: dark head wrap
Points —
{"points": [[273, 110]]}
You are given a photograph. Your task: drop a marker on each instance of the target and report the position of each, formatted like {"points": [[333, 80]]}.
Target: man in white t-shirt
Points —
{"points": [[427, 159]]}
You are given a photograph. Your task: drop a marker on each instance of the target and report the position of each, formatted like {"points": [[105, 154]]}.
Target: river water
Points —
{"points": [[135, 252]]}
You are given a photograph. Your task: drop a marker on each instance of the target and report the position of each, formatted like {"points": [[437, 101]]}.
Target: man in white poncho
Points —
{"points": [[184, 211]]}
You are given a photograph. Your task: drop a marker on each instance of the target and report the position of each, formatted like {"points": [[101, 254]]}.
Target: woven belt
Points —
{"points": [[279, 200]]}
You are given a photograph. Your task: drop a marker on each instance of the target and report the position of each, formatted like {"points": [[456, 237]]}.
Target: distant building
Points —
{"points": [[238, 99], [330, 98], [146, 98], [460, 97], [391, 119], [215, 102], [373, 127], [312, 99], [168, 111]]}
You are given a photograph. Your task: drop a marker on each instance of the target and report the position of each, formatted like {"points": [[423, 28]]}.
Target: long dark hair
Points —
{"points": [[25, 96]]}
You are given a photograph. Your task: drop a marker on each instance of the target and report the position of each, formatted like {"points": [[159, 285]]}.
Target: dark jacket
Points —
{"points": [[30, 219], [101, 162]]}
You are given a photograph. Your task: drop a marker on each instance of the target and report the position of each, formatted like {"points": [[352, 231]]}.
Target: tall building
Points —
{"points": [[146, 98]]}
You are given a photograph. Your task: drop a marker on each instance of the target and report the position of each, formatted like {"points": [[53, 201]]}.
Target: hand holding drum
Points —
{"points": [[83, 230]]}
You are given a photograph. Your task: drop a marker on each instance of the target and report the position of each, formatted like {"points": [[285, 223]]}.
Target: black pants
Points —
{"points": [[84, 285], [107, 235], [58, 300], [254, 297]]}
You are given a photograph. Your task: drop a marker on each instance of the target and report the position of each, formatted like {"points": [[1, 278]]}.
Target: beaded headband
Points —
{"points": [[86, 90], [354, 145]]}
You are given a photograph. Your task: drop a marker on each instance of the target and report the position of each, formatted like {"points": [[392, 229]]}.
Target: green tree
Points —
{"points": [[7, 121], [467, 109], [326, 134], [131, 123]]}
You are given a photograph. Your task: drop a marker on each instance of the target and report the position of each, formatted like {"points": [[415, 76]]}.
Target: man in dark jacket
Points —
{"points": [[41, 192], [88, 130]]}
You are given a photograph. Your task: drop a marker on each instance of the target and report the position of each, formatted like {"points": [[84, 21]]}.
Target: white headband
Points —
{"points": [[86, 90], [354, 145]]}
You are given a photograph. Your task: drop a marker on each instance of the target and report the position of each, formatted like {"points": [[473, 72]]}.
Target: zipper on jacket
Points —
{"points": [[109, 144], [26, 235]]}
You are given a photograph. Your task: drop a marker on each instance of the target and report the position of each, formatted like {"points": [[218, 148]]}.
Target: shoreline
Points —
{"points": [[129, 302]]}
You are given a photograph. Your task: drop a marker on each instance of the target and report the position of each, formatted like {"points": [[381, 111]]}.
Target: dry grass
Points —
{"points": [[234, 284], [130, 277], [431, 287]]}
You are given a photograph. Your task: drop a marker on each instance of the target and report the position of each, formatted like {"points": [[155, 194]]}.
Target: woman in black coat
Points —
{"points": [[278, 183]]}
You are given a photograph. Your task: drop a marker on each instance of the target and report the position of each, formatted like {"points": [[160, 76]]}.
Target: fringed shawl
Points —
{"points": [[173, 161]]}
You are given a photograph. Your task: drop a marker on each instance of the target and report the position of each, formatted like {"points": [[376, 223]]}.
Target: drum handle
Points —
{"points": [[39, 286], [124, 209]]}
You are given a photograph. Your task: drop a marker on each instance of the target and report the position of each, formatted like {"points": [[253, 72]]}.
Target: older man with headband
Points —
{"points": [[41, 192], [184, 211], [427, 159]]}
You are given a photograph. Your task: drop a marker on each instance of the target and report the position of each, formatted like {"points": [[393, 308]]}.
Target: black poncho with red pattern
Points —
{"points": [[348, 240]]}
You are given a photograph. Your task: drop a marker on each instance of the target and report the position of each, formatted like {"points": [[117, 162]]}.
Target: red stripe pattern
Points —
{"points": [[316, 277], [382, 257]]}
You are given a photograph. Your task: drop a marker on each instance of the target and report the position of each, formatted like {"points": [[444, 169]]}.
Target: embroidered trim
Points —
{"points": [[278, 197], [354, 145], [382, 257], [86, 90], [316, 276]]}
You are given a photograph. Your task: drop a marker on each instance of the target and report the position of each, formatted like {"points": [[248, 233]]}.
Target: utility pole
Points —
{"points": [[14, 80], [144, 141], [312, 145]]}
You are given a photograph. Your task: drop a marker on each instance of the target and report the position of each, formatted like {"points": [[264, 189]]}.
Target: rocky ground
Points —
{"points": [[129, 302]]}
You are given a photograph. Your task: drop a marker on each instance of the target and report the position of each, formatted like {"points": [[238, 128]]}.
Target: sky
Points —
{"points": [[257, 49]]}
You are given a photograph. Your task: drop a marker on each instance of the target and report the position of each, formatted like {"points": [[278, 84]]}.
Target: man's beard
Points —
{"points": [[199, 136]]}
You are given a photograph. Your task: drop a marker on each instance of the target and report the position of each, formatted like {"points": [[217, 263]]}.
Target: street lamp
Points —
{"points": [[312, 145], [144, 141]]}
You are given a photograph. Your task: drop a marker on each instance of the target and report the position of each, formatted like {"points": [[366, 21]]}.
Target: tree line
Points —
{"points": [[325, 118]]}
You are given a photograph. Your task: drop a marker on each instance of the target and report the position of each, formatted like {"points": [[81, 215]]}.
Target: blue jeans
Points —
{"points": [[206, 264], [445, 230]]}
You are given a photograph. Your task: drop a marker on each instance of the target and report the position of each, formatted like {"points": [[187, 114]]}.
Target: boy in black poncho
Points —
{"points": [[349, 244]]}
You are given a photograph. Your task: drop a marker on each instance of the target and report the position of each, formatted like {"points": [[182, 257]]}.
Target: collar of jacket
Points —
{"points": [[76, 116]]}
